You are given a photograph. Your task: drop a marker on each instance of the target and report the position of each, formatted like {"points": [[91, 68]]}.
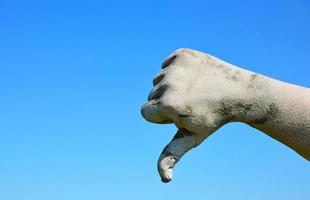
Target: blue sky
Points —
{"points": [[73, 75]]}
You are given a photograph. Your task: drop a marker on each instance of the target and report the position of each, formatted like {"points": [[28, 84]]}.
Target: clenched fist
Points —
{"points": [[200, 93]]}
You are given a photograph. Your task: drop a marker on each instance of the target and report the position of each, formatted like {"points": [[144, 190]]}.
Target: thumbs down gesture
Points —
{"points": [[188, 91]]}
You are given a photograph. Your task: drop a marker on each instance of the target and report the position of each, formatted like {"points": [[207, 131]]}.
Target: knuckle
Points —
{"points": [[149, 110], [158, 78], [157, 92], [180, 55], [154, 111], [168, 61], [183, 51]]}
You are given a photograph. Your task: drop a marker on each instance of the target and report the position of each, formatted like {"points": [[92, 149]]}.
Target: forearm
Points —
{"points": [[279, 109], [287, 115]]}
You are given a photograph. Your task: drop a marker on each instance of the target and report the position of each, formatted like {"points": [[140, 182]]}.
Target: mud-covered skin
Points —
{"points": [[200, 93]]}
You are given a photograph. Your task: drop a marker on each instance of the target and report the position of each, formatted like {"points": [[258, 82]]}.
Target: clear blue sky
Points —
{"points": [[73, 75]]}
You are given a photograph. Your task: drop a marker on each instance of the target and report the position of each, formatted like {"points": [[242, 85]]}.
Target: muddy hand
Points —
{"points": [[187, 93]]}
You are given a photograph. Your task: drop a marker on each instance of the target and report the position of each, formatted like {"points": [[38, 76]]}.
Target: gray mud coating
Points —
{"points": [[201, 93]]}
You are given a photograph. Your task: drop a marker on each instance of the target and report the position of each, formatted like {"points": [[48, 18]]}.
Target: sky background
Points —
{"points": [[73, 75]]}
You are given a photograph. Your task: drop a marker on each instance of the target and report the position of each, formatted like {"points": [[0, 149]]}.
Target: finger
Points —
{"points": [[168, 61], [154, 111], [159, 77], [158, 91], [181, 143]]}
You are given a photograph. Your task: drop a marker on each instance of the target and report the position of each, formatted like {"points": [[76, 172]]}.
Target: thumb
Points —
{"points": [[181, 143]]}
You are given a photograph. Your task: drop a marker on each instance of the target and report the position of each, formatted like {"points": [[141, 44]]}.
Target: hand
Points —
{"points": [[189, 92]]}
